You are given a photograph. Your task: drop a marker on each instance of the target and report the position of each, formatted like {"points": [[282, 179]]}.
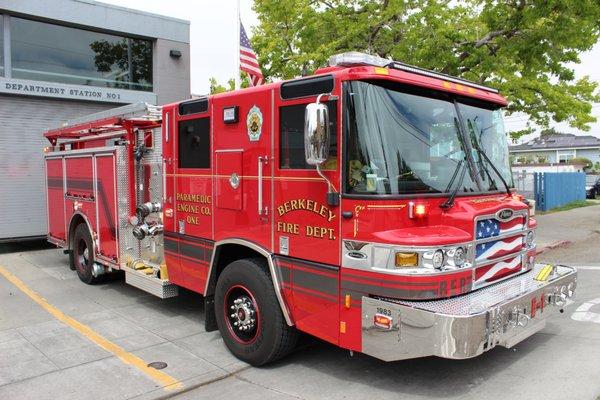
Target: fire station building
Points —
{"points": [[62, 59]]}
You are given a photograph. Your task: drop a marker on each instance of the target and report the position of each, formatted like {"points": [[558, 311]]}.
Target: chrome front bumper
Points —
{"points": [[465, 326]]}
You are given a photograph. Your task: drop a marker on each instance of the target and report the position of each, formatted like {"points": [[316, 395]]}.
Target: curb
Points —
{"points": [[553, 245]]}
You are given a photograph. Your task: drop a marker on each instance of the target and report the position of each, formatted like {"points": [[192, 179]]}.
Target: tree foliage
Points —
{"points": [[525, 48], [216, 87]]}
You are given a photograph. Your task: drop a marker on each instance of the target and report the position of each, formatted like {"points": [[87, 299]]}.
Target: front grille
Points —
{"points": [[498, 247]]}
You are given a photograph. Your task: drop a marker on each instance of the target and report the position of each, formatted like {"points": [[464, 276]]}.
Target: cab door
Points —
{"points": [[307, 228], [243, 166]]}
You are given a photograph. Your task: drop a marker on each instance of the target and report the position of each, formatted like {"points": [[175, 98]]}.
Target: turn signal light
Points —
{"points": [[382, 321], [406, 259]]}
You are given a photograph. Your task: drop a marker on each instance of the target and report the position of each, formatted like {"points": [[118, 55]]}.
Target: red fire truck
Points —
{"points": [[369, 205]]}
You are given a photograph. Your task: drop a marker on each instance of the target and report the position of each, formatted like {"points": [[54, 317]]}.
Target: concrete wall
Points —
{"points": [[171, 75]]}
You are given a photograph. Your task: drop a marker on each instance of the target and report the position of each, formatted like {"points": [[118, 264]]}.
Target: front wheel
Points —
{"points": [[248, 314]]}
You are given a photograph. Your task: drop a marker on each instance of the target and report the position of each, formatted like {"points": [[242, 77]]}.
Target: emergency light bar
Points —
{"points": [[356, 58]]}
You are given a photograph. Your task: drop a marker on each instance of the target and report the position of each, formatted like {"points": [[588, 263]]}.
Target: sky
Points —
{"points": [[213, 46]]}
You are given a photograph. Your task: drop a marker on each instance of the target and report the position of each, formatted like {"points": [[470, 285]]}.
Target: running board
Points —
{"points": [[148, 283]]}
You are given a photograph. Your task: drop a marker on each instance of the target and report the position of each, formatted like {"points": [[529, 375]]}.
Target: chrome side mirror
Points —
{"points": [[316, 133]]}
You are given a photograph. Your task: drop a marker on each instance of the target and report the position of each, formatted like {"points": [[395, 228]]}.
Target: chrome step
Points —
{"points": [[148, 283]]}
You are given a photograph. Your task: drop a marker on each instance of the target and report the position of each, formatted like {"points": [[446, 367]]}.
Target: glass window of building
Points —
{"points": [[54, 53]]}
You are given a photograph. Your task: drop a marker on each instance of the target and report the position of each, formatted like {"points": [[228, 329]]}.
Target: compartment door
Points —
{"points": [[56, 198], [230, 188], [106, 206]]}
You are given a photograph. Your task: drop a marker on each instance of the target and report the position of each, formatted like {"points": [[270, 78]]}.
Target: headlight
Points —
{"points": [[529, 238], [460, 256], [438, 259]]}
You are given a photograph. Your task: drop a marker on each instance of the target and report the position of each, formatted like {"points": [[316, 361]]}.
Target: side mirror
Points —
{"points": [[316, 133]]}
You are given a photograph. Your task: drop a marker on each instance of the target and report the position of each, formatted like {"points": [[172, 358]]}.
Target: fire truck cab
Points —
{"points": [[369, 205]]}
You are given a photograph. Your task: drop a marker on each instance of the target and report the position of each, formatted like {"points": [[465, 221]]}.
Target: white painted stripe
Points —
{"points": [[249, 59], [587, 267], [247, 50], [251, 68], [499, 267], [499, 246]]}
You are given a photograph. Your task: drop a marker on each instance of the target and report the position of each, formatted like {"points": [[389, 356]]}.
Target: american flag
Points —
{"points": [[489, 228], [248, 60]]}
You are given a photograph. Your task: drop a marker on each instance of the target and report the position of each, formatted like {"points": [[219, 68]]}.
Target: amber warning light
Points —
{"points": [[382, 321]]}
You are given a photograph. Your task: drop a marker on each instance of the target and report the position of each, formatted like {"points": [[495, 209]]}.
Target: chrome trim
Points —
{"points": [[380, 257], [260, 188], [81, 152], [503, 236], [468, 325], [487, 261], [274, 275]]}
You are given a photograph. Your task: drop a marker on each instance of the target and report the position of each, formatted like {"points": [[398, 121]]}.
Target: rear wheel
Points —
{"points": [[248, 314], [82, 254]]}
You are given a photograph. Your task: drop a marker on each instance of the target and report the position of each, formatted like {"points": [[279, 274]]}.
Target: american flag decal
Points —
{"points": [[248, 60], [492, 249]]}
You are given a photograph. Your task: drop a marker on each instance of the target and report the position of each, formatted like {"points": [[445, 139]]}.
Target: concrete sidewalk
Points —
{"points": [[42, 357]]}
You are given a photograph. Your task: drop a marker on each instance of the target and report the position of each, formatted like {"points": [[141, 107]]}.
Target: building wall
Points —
{"points": [[171, 75], [591, 154], [23, 121], [550, 156]]}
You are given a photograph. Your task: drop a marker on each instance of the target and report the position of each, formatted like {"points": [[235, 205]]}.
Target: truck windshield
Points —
{"points": [[403, 142]]}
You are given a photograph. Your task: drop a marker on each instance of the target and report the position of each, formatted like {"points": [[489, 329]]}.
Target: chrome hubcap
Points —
{"points": [[242, 315]]}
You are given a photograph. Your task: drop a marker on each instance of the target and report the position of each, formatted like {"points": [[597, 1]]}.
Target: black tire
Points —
{"points": [[71, 260], [268, 337], [83, 254]]}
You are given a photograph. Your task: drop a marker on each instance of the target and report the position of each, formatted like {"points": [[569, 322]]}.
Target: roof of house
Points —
{"points": [[558, 141]]}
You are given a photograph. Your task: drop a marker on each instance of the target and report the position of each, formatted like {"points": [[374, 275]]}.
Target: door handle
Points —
{"points": [[261, 161]]}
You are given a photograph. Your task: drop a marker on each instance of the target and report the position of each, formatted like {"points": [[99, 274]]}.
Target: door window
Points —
{"points": [[194, 143]]}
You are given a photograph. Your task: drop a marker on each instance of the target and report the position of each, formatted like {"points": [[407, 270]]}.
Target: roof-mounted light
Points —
{"points": [[356, 58]]}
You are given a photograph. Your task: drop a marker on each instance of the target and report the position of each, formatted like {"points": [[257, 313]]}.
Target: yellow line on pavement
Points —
{"points": [[164, 379]]}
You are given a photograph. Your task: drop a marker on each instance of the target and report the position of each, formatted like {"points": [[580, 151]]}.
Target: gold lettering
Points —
{"points": [[294, 204], [323, 211]]}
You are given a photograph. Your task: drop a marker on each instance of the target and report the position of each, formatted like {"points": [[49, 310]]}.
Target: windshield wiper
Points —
{"points": [[489, 162], [450, 200]]}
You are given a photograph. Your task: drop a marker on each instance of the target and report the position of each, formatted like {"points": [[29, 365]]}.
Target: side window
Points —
{"points": [[194, 143], [291, 137]]}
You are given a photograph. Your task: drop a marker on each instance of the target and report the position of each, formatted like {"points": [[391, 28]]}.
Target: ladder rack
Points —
{"points": [[137, 115]]}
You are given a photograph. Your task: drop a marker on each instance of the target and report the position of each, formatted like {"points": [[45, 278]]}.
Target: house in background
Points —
{"points": [[556, 148]]}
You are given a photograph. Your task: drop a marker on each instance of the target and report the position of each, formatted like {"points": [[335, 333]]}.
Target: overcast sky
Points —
{"points": [[213, 45]]}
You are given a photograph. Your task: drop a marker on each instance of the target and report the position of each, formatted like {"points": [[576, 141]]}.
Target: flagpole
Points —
{"points": [[237, 38]]}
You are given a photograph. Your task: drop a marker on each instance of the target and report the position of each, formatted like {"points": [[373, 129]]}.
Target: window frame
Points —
{"points": [[559, 153], [333, 151]]}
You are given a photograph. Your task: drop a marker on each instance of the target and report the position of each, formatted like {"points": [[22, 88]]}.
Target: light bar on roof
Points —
{"points": [[355, 58]]}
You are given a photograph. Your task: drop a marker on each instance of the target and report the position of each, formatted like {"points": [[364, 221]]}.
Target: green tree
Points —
{"points": [[525, 48], [216, 87]]}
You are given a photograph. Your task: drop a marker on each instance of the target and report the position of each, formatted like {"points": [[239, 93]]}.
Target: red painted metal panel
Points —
{"points": [[107, 206], [252, 133], [56, 197], [229, 166]]}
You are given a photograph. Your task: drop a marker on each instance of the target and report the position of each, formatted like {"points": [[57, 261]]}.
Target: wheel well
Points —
{"points": [[224, 255], [75, 221]]}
